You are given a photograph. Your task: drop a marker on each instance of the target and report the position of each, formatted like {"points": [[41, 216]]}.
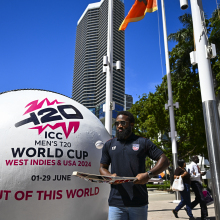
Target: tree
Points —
{"points": [[152, 120], [148, 163], [214, 38], [186, 90]]}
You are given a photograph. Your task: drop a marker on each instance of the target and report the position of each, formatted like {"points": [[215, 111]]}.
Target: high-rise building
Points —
{"points": [[89, 81], [128, 101]]}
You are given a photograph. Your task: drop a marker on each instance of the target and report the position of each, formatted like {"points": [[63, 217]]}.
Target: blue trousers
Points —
{"points": [[127, 213], [185, 200]]}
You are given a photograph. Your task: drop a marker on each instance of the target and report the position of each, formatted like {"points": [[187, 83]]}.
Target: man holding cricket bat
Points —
{"points": [[126, 154]]}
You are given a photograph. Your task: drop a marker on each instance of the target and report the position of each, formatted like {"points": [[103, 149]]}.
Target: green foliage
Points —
{"points": [[214, 38], [204, 186], [152, 120], [186, 91], [148, 163], [164, 186]]}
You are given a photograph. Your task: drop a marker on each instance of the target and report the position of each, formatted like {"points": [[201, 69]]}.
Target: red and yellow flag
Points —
{"points": [[162, 174], [138, 11]]}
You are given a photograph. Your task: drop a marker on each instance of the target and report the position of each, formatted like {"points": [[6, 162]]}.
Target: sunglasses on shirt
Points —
{"points": [[123, 123]]}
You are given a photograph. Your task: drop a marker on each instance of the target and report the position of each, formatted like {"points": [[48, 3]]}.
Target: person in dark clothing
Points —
{"points": [[185, 194], [126, 154], [196, 185]]}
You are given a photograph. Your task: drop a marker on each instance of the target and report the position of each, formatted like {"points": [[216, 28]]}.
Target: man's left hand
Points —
{"points": [[142, 178]]}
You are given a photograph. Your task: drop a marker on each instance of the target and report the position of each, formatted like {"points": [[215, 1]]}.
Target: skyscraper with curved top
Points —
{"points": [[89, 81]]}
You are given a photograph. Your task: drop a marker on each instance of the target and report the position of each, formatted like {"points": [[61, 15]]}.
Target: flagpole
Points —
{"points": [[170, 97], [109, 73]]}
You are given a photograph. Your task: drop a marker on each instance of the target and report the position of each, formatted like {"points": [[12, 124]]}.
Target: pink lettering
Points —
{"points": [[19, 197], [42, 162], [48, 195], [9, 162], [59, 194], [79, 190], [82, 192], [86, 193], [39, 194], [6, 194], [96, 190], [91, 192], [16, 162], [28, 194], [70, 193]]}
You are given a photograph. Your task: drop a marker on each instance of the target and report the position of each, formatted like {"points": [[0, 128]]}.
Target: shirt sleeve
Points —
{"points": [[152, 151], [106, 159], [190, 169], [194, 172]]}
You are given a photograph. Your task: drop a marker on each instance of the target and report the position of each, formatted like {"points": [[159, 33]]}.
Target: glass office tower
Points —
{"points": [[89, 81], [128, 102]]}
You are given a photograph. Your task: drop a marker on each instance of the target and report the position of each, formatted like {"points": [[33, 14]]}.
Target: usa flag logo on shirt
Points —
{"points": [[135, 147]]}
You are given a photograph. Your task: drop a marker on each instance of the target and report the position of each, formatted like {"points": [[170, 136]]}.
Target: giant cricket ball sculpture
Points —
{"points": [[44, 137]]}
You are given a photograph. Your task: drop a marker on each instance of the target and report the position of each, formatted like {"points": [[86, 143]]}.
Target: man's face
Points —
{"points": [[123, 127], [196, 160]]}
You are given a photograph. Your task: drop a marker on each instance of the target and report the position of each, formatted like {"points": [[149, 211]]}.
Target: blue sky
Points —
{"points": [[37, 44]]}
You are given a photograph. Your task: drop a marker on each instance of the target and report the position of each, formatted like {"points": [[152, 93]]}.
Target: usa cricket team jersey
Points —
{"points": [[127, 158]]}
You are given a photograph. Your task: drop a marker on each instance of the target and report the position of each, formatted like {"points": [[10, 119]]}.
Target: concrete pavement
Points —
{"points": [[161, 206]]}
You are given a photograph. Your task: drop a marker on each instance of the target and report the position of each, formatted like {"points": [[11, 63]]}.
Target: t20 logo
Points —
{"points": [[48, 115]]}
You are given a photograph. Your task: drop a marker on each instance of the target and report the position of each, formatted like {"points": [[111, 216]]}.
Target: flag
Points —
{"points": [[138, 11], [162, 174]]}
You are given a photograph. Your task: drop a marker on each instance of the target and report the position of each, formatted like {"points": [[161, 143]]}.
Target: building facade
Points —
{"points": [[89, 81], [128, 101]]}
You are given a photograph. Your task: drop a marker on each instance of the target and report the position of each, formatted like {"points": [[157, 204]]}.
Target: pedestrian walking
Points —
{"points": [[185, 194], [196, 184], [126, 154]]}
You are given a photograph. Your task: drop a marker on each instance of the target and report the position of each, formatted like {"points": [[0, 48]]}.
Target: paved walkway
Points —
{"points": [[161, 206]]}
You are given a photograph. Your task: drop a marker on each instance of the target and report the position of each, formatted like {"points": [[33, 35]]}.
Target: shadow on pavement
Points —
{"points": [[164, 210], [211, 218]]}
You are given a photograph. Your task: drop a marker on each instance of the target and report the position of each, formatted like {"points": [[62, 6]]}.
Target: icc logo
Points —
{"points": [[50, 114]]}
